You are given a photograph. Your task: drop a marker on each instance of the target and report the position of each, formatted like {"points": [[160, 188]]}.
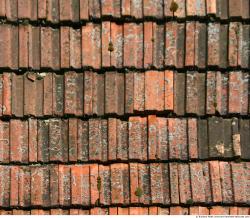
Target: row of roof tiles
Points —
{"points": [[56, 11], [140, 138], [90, 93], [175, 210], [213, 182], [136, 45]]}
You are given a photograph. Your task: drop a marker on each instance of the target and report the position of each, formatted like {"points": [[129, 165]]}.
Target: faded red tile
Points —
{"points": [[138, 211], [123, 211], [69, 10], [114, 93], [40, 186], [211, 92], [226, 182], [177, 138], [58, 143], [72, 129], [47, 94], [64, 181], [138, 138], [154, 90], [98, 144], [4, 142], [95, 183], [214, 44], [196, 8], [6, 107], [14, 174], [80, 194], [75, 48], [211, 7], [133, 45], [99, 211], [190, 44], [91, 55], [116, 56], [84, 10], [53, 11], [180, 12], [111, 8], [174, 183], [139, 91], [193, 138], [235, 92], [198, 210], [105, 191], [185, 184], [219, 210], [65, 46], [215, 181], [119, 184], [239, 185], [24, 188], [159, 180], [169, 90], [23, 46], [197, 182], [17, 97], [50, 52], [233, 46], [19, 141], [153, 8]]}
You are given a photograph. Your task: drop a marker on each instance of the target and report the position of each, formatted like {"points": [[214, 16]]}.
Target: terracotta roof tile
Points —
{"points": [[48, 185], [195, 210], [73, 140], [124, 107], [56, 11], [135, 45]]}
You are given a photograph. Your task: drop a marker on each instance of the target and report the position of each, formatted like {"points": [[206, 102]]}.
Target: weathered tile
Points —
{"points": [[153, 8], [177, 139], [226, 182], [4, 142], [195, 93], [91, 55], [114, 93], [19, 141], [50, 48], [119, 186], [179, 93], [133, 45], [40, 186], [137, 138], [154, 90], [80, 187]]}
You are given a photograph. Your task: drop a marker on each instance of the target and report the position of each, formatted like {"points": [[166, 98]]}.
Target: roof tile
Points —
{"points": [[91, 55], [181, 11], [137, 138], [133, 45], [52, 11], [154, 90], [215, 181], [24, 186], [50, 44]]}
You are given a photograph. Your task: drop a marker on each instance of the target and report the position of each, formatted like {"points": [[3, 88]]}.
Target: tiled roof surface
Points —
{"points": [[143, 45], [125, 107]]}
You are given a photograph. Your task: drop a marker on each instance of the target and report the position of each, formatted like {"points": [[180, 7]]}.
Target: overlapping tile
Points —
{"points": [[136, 107], [143, 45], [56, 11], [139, 138], [125, 184], [114, 93]]}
